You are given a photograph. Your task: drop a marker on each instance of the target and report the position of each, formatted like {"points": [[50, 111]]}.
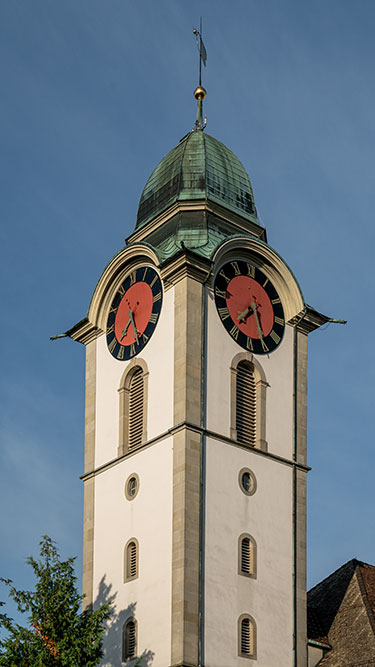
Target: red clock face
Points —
{"points": [[134, 313], [249, 307]]}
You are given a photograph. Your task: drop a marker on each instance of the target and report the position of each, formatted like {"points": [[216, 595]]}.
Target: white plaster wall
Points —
{"points": [[148, 518], [158, 355], [267, 516], [278, 367]]}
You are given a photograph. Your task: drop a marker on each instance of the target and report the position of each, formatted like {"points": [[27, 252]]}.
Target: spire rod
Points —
{"points": [[200, 92]]}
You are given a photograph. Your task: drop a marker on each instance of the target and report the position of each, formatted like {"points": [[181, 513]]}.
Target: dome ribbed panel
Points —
{"points": [[200, 167], [226, 179], [193, 170], [163, 186]]}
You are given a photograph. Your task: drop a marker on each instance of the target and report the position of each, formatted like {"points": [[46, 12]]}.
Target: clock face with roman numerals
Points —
{"points": [[249, 307], [134, 313]]}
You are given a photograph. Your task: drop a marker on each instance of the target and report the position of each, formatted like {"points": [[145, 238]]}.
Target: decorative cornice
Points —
{"points": [[185, 264], [84, 331], [308, 320], [241, 224], [203, 431]]}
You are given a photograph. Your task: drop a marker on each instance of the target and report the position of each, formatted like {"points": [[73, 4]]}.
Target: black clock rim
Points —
{"points": [[126, 352], [220, 283]]}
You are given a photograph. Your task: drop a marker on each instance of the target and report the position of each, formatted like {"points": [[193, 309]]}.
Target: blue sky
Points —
{"points": [[94, 94]]}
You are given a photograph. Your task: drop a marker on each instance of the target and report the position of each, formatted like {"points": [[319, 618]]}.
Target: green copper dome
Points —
{"points": [[199, 167]]}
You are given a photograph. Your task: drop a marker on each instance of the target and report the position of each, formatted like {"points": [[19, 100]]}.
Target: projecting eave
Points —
{"points": [[309, 319], [113, 275], [84, 331]]}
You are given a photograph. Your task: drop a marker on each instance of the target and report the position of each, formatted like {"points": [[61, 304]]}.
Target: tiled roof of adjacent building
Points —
{"points": [[324, 600]]}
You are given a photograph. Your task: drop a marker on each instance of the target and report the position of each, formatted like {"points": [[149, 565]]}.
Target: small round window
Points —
{"points": [[247, 480], [132, 486]]}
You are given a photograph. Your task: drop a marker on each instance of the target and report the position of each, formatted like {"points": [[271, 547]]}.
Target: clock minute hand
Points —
{"points": [[131, 318], [259, 328]]}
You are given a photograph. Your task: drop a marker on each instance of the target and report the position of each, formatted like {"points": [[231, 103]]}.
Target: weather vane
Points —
{"points": [[200, 92], [201, 49]]}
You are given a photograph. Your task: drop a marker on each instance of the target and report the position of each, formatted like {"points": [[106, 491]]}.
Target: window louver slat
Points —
{"points": [[245, 636], [246, 556], [130, 640], [132, 560], [245, 404]]}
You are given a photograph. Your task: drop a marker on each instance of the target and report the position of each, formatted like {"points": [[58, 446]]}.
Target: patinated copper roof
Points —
{"points": [[198, 168]]}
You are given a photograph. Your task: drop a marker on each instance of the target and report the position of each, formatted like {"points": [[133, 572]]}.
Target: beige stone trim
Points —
{"points": [[128, 495], [300, 481], [185, 265], [253, 556], [253, 486], [301, 598], [125, 646], [89, 484], [301, 398], [203, 432], [308, 320], [127, 575], [187, 351], [124, 393], [186, 547], [84, 332], [113, 275], [253, 643], [261, 385], [90, 406], [187, 444], [88, 543]]}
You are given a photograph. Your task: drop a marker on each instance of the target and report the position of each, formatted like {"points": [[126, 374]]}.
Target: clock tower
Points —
{"points": [[195, 427]]}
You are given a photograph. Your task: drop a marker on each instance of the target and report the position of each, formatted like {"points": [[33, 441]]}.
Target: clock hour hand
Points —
{"points": [[123, 332], [242, 316]]}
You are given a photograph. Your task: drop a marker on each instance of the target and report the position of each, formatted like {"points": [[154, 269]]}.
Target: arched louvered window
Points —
{"points": [[247, 636], [136, 398], [133, 406], [129, 640], [246, 403], [247, 556], [131, 560]]}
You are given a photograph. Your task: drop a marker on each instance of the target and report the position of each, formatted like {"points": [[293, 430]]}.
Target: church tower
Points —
{"points": [[195, 427]]}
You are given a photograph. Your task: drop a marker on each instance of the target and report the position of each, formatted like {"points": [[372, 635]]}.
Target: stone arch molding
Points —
{"points": [[268, 261], [112, 277], [124, 394], [261, 385]]}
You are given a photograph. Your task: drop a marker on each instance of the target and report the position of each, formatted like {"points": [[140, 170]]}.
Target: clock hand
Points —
{"points": [[123, 332], [242, 316], [259, 328], [133, 325]]}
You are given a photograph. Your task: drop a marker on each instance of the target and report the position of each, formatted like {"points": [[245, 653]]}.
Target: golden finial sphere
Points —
{"points": [[200, 93]]}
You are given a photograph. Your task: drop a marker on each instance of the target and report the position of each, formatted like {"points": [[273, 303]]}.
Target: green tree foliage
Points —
{"points": [[59, 634]]}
